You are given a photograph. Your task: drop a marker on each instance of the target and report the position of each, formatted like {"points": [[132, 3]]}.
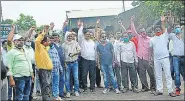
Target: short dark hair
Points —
{"points": [[157, 26], [44, 39], [85, 31], [55, 34], [36, 35], [4, 42]]}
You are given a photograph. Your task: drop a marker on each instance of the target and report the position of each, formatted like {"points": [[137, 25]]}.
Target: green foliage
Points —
{"points": [[40, 28], [154, 9], [7, 21], [25, 22]]}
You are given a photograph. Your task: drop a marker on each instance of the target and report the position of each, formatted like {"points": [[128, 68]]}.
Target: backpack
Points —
{"points": [[3, 71]]}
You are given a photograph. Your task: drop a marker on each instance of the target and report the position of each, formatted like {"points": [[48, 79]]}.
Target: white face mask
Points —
{"points": [[28, 43]]}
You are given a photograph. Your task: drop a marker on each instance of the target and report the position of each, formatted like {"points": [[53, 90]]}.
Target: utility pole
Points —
{"points": [[123, 10], [1, 13]]}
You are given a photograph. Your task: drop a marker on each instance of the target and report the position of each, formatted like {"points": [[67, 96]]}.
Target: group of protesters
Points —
{"points": [[57, 70]]}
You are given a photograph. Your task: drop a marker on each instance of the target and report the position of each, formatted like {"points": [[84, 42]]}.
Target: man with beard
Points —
{"points": [[144, 58], [20, 68], [71, 51]]}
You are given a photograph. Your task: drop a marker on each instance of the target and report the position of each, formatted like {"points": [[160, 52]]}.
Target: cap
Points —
{"points": [[16, 37]]}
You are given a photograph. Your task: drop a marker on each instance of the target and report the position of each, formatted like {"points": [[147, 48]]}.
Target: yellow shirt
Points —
{"points": [[42, 58]]}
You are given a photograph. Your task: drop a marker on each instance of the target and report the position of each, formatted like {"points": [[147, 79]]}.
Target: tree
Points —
{"points": [[7, 21], [25, 22], [40, 28], [154, 9]]}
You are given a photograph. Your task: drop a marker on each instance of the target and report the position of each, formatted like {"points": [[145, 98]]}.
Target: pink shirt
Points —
{"points": [[143, 44], [143, 47]]}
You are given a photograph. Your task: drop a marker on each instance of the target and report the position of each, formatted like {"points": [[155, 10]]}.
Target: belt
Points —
{"points": [[178, 56], [71, 61]]}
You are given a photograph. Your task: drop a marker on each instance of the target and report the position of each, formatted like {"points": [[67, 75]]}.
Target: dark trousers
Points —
{"points": [[45, 83], [125, 68], [80, 71], [144, 66], [98, 76], [89, 66], [32, 85]]}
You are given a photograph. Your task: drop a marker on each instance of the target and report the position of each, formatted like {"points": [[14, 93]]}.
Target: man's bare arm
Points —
{"points": [[10, 36]]}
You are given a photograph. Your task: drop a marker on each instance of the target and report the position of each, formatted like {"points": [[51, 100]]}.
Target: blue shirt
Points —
{"points": [[105, 53], [61, 54], [53, 53]]}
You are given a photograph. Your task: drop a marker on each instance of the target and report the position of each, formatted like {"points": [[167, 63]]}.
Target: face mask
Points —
{"points": [[103, 40], [51, 44], [28, 44], [125, 39], [177, 30], [158, 33]]}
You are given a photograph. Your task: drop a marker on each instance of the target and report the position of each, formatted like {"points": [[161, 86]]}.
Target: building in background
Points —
{"points": [[89, 17]]}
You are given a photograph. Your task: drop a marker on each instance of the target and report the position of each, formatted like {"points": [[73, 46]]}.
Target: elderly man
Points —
{"points": [[144, 58], [20, 68], [71, 51]]}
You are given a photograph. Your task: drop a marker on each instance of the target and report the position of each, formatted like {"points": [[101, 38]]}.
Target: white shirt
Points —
{"points": [[178, 45], [159, 45], [88, 47], [127, 52]]}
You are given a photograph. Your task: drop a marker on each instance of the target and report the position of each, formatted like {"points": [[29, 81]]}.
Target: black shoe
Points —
{"points": [[157, 93], [85, 91], [125, 90], [172, 94], [99, 87], [135, 90], [173, 78], [152, 91], [145, 90], [92, 91]]}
